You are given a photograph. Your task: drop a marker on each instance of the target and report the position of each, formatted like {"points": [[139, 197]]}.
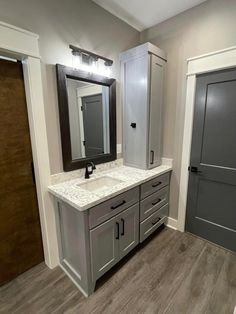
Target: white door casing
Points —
{"points": [[23, 45]]}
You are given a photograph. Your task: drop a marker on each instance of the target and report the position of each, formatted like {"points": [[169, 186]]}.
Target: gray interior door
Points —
{"points": [[211, 205], [93, 125]]}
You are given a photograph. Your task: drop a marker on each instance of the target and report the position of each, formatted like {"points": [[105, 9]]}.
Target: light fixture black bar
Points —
{"points": [[108, 62]]}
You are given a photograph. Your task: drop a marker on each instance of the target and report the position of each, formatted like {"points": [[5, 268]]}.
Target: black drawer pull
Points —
{"points": [[117, 231], [156, 202], [123, 227], [156, 184], [118, 205], [155, 222]]}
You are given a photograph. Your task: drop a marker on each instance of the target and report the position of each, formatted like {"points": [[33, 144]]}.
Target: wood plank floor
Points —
{"points": [[172, 272]]}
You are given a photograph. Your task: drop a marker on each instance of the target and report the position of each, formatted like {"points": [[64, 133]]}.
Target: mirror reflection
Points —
{"points": [[88, 118]]}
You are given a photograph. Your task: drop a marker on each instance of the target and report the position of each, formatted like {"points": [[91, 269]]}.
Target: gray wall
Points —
{"points": [[60, 23], [205, 28], [208, 27]]}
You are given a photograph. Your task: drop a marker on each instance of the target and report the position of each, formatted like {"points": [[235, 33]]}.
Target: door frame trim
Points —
{"points": [[218, 60], [23, 45]]}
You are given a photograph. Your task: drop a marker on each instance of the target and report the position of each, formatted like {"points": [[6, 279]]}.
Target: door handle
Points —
{"points": [[117, 231], [123, 227], [194, 169], [133, 125]]}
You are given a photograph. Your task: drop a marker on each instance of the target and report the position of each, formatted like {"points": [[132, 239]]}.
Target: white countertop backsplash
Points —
{"points": [[69, 191]]}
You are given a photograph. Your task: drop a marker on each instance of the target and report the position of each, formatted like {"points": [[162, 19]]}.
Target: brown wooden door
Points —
{"points": [[20, 233]]}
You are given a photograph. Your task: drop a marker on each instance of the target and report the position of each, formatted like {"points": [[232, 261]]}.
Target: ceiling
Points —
{"points": [[142, 14]]}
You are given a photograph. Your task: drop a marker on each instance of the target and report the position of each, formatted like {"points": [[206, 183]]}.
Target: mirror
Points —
{"points": [[87, 111], [89, 118]]}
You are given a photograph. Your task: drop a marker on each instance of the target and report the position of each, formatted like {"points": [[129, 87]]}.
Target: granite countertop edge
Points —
{"points": [[91, 198]]}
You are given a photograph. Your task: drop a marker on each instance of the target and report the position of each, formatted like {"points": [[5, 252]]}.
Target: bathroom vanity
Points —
{"points": [[102, 219]]}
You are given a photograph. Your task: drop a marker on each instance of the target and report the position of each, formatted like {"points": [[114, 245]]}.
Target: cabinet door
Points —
{"points": [[135, 116], [129, 230], [104, 247], [155, 120]]}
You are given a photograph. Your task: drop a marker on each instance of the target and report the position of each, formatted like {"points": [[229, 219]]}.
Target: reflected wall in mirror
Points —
{"points": [[87, 110]]}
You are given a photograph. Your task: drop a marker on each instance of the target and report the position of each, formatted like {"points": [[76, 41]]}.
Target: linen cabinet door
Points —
{"points": [[129, 230], [135, 116], [104, 241], [155, 120]]}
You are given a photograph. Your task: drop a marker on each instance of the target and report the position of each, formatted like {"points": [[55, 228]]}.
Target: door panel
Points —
{"points": [[216, 195], [155, 123], [220, 124], [135, 111], [20, 232], [211, 211], [129, 233], [104, 247]]}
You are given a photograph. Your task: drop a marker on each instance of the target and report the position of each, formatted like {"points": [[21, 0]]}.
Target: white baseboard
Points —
{"points": [[172, 223]]}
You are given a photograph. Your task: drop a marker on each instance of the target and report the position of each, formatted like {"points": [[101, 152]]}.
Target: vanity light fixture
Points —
{"points": [[90, 62]]}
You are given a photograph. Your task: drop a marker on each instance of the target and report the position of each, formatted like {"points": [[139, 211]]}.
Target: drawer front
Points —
{"points": [[112, 207], [148, 226], [153, 202], [154, 185]]}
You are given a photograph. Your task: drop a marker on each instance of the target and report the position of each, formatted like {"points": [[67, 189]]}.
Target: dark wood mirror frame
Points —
{"points": [[64, 72]]}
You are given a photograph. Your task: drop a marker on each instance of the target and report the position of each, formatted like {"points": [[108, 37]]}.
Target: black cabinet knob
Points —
{"points": [[133, 125]]}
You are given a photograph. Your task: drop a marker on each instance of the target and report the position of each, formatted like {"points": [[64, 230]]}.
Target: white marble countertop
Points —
{"points": [[81, 199]]}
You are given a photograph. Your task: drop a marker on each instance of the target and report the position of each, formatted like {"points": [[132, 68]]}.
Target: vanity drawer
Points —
{"points": [[113, 206], [153, 202], [148, 226], [154, 185]]}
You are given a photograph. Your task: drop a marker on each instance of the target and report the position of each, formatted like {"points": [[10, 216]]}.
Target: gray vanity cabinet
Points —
{"points": [[104, 248], [92, 241], [142, 74], [113, 239], [154, 205]]}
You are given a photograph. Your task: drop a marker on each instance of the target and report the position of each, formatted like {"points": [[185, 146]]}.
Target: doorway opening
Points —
{"points": [[20, 232]]}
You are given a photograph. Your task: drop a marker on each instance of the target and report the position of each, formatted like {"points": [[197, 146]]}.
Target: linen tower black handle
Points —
{"points": [[133, 125], [152, 157]]}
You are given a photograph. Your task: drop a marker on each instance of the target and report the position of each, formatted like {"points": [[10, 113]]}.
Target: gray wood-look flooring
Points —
{"points": [[172, 272]]}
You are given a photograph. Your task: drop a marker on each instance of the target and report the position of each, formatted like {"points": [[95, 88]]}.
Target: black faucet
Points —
{"points": [[89, 171]]}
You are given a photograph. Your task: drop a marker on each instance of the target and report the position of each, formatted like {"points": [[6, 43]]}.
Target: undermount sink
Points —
{"points": [[99, 184]]}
